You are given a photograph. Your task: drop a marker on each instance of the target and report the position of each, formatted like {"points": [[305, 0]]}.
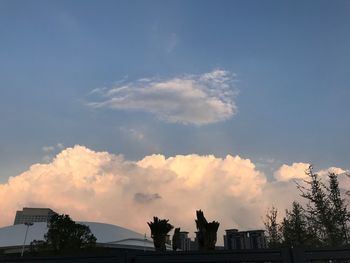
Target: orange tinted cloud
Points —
{"points": [[99, 186]]}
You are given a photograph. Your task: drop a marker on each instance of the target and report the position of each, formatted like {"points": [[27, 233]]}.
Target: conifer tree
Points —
{"points": [[326, 211], [273, 229], [295, 230], [340, 216], [319, 207]]}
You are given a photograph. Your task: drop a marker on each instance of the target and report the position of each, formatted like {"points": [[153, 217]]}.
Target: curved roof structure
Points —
{"points": [[106, 234]]}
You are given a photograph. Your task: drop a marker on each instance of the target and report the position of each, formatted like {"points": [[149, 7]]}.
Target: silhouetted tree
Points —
{"points": [[64, 235], [272, 228], [326, 211], [207, 232], [159, 230], [319, 207], [324, 221], [176, 239], [295, 228], [40, 246], [339, 215]]}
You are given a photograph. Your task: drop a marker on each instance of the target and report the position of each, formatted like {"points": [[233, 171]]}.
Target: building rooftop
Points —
{"points": [[13, 236]]}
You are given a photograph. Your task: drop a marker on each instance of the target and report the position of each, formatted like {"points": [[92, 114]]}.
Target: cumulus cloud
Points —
{"points": [[99, 186], [336, 170], [189, 99], [294, 171], [297, 171]]}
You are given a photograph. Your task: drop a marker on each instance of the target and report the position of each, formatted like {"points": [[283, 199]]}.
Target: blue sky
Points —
{"points": [[287, 62]]}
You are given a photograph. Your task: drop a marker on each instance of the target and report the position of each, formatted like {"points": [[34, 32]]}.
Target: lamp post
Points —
{"points": [[28, 224]]}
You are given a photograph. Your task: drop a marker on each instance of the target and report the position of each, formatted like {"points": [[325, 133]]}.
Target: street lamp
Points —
{"points": [[28, 224]]}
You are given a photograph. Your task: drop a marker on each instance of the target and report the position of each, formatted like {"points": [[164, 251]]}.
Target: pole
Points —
{"points": [[25, 237]]}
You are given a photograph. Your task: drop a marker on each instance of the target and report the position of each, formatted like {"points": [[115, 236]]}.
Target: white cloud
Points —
{"points": [[99, 186], [335, 170], [188, 99], [343, 177], [284, 191], [297, 171], [294, 171]]}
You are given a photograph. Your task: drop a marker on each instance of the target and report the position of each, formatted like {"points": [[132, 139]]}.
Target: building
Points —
{"points": [[32, 215], [252, 239], [168, 240], [185, 241], [107, 235], [13, 238]]}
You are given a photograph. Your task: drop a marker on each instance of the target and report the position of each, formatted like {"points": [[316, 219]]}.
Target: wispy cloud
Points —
{"points": [[51, 150], [172, 42], [188, 99], [133, 133], [48, 148]]}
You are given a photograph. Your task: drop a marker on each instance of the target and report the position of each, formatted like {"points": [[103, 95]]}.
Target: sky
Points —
{"points": [[254, 90]]}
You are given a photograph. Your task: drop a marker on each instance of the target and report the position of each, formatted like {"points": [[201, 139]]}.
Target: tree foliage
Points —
{"points": [[323, 222], [339, 213], [159, 230], [207, 232], [319, 206], [295, 228], [65, 236], [176, 239], [272, 228], [326, 210]]}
